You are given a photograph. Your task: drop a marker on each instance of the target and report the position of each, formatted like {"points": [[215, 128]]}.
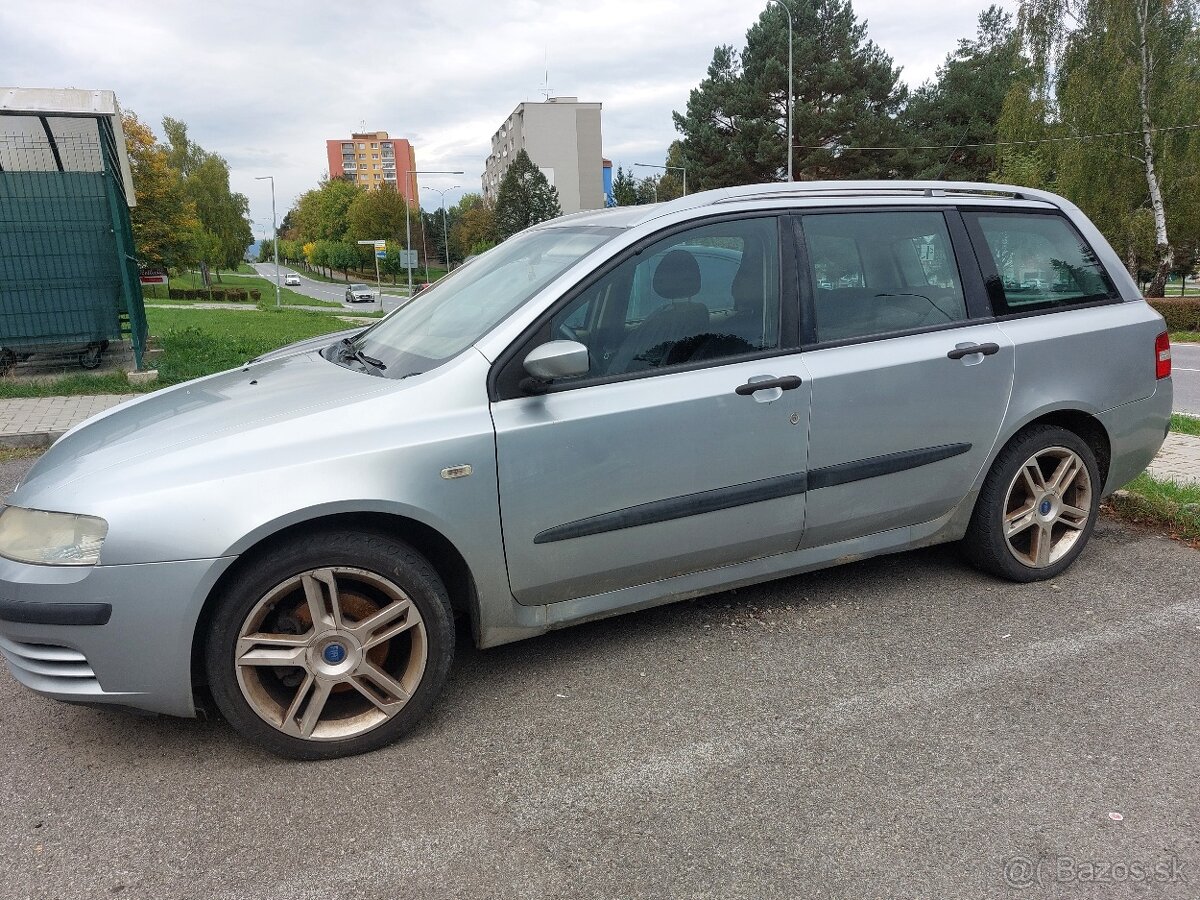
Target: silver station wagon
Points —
{"points": [[606, 412]]}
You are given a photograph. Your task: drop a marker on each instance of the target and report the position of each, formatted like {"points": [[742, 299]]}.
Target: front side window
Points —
{"points": [[465, 305], [1040, 263], [704, 294], [874, 273]]}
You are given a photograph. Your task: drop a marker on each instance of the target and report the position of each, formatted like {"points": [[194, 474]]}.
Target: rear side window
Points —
{"points": [[875, 273], [1039, 263]]}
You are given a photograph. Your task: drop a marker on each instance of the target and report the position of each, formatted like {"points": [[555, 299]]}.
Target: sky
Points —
{"points": [[265, 84]]}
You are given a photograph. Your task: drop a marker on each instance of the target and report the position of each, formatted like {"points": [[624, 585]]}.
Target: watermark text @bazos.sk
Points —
{"points": [[1024, 872]]}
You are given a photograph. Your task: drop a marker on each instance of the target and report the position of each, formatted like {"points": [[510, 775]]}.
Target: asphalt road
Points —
{"points": [[1185, 376], [323, 290], [900, 727]]}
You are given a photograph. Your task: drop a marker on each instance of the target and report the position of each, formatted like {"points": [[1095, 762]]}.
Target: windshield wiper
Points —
{"points": [[348, 349]]}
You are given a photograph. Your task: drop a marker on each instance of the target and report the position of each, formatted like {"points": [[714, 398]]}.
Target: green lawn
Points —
{"points": [[1185, 424], [194, 342], [1191, 337]]}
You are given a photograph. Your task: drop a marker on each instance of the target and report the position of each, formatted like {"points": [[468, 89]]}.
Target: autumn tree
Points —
{"points": [[164, 219], [475, 228], [224, 231], [524, 198], [323, 213]]}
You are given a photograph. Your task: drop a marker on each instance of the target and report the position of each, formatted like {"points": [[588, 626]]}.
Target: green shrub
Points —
{"points": [[255, 295], [218, 295], [1181, 313]]}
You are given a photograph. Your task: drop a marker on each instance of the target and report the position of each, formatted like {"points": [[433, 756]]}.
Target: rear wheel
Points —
{"points": [[335, 644], [1037, 508]]}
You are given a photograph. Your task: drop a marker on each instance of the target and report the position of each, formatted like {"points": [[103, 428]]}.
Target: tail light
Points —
{"points": [[1162, 356]]}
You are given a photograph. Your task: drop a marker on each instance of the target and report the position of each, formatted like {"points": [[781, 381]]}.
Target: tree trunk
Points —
{"points": [[1162, 245]]}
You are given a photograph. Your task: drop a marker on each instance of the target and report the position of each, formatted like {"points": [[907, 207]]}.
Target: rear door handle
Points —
{"points": [[786, 383], [985, 349]]}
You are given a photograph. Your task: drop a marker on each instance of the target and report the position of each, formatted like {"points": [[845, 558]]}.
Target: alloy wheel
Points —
{"points": [[331, 653], [1047, 507]]}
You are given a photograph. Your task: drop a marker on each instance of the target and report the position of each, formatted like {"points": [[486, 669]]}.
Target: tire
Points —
{"points": [[91, 357], [1025, 528], [375, 663]]}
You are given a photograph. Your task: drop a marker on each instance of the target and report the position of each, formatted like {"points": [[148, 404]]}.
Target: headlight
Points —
{"points": [[51, 538]]}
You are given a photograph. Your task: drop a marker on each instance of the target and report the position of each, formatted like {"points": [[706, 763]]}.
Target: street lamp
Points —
{"points": [[787, 9], [408, 218], [445, 232], [274, 232], [675, 168]]}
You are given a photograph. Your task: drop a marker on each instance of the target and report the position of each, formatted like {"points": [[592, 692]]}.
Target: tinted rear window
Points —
{"points": [[1039, 262]]}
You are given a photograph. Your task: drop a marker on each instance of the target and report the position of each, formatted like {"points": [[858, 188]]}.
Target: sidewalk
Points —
{"points": [[39, 421]]}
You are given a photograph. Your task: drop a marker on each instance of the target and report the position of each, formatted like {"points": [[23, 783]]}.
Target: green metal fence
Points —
{"points": [[68, 275]]}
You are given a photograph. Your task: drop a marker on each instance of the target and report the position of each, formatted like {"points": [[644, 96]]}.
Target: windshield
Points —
{"points": [[457, 311]]}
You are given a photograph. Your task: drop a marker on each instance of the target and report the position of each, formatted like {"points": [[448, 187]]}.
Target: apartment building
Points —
{"points": [[372, 159], [562, 136]]}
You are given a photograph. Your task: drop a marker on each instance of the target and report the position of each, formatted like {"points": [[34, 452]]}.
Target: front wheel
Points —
{"points": [[1037, 507], [335, 644]]}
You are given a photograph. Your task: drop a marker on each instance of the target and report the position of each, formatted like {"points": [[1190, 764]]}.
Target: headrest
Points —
{"points": [[677, 276]]}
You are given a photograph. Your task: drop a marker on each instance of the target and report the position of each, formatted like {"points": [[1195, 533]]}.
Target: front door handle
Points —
{"points": [[786, 383], [985, 349]]}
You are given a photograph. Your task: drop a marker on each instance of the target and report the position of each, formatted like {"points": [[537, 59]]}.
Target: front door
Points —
{"points": [[664, 459]]}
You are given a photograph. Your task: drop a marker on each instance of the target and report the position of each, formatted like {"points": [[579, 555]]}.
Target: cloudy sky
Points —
{"points": [[264, 84]]}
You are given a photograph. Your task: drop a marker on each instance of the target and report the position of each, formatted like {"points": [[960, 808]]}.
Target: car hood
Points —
{"points": [[235, 403]]}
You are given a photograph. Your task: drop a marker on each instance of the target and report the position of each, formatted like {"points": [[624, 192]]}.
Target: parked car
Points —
{"points": [[606, 412], [360, 293], [291, 279]]}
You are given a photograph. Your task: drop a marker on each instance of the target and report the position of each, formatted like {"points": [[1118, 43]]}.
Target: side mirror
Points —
{"points": [[557, 359]]}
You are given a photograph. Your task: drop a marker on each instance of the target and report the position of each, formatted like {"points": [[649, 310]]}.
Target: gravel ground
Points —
{"points": [[898, 727]]}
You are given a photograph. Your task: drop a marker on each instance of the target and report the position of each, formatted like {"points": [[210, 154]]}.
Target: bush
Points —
{"points": [[255, 295], [218, 295], [175, 293], [1181, 313]]}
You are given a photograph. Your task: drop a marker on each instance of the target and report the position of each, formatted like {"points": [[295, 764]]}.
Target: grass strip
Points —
{"points": [[1166, 505]]}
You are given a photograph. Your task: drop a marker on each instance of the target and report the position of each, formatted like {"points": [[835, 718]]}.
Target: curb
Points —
{"points": [[32, 439]]}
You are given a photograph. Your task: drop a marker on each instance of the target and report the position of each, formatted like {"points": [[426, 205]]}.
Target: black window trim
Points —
{"points": [[508, 371], [978, 307], [987, 265]]}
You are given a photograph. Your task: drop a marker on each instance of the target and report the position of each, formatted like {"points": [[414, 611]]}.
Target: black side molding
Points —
{"points": [[752, 492], [55, 613], [677, 508], [888, 464]]}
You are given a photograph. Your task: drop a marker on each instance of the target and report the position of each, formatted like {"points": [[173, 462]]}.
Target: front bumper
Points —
{"points": [[106, 634]]}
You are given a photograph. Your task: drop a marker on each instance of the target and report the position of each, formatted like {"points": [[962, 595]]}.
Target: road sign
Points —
{"points": [[408, 259], [381, 245], [381, 254]]}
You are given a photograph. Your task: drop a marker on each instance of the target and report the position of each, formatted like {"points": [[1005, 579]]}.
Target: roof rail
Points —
{"points": [[786, 189]]}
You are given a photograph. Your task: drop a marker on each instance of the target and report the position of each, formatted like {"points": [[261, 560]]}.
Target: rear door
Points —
{"points": [[910, 377]]}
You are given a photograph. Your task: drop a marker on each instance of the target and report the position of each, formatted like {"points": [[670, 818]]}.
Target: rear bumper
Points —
{"points": [[1136, 431], [106, 634]]}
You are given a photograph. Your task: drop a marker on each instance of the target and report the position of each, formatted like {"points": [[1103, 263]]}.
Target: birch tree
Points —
{"points": [[1129, 68]]}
